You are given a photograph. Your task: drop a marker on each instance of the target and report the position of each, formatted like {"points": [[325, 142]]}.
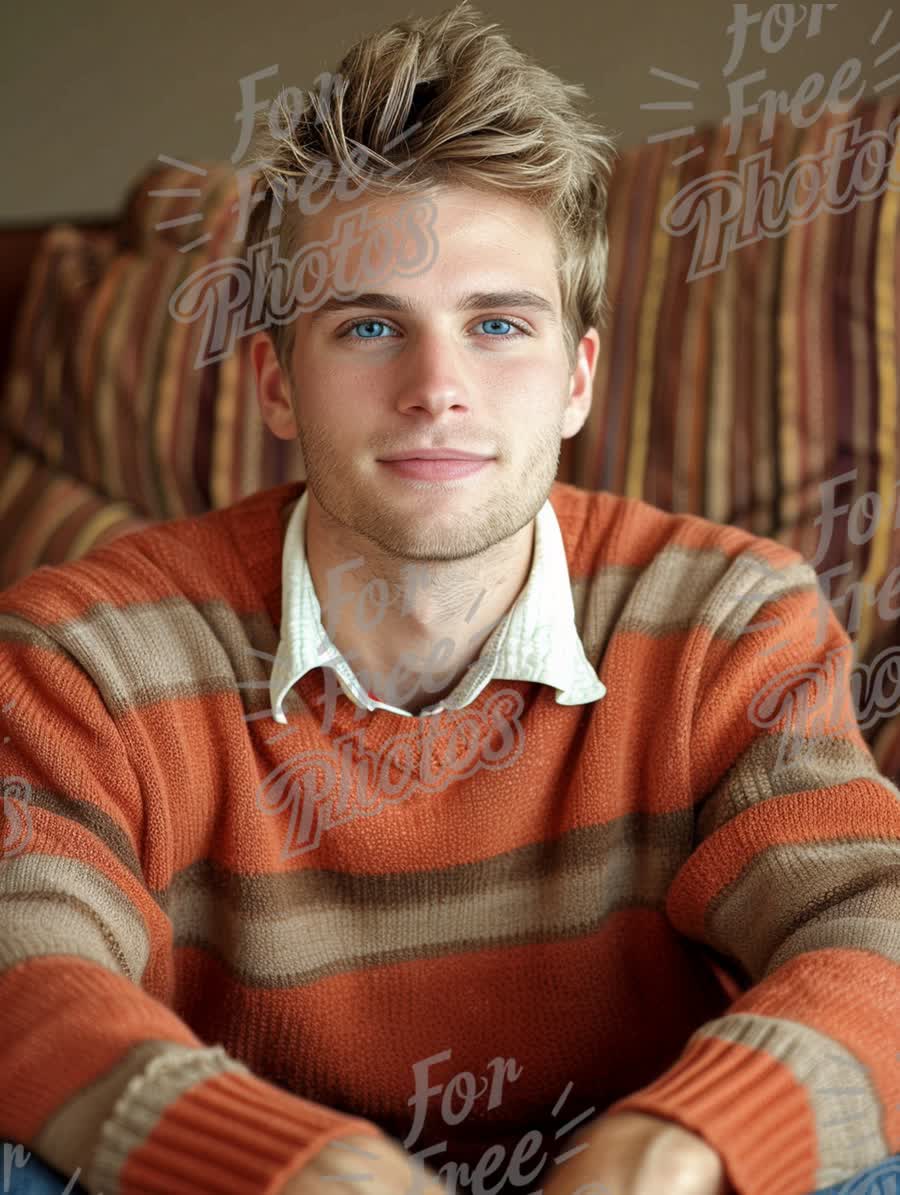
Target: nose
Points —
{"points": [[433, 375]]}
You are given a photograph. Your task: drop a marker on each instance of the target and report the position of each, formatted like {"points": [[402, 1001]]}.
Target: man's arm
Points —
{"points": [[85, 953], [793, 876]]}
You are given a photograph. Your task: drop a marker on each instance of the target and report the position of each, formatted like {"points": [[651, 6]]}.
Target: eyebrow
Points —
{"points": [[476, 301]]}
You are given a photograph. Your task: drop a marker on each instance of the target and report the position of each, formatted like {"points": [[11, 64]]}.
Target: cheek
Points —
{"points": [[342, 401], [534, 384]]}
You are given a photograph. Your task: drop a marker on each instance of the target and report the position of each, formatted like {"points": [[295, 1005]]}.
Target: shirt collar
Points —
{"points": [[537, 640]]}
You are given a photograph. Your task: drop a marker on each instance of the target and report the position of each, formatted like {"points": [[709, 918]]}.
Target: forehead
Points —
{"points": [[481, 240]]}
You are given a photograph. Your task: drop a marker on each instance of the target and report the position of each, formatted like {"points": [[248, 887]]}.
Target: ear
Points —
{"points": [[272, 389], [581, 384]]}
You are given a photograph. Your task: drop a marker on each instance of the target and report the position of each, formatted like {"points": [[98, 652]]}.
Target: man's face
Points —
{"points": [[485, 375]]}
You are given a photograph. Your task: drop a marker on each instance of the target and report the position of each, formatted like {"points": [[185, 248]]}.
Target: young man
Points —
{"points": [[519, 896]]}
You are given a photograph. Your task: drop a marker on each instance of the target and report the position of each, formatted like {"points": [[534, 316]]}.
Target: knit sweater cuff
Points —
{"points": [[197, 1120], [743, 1103]]}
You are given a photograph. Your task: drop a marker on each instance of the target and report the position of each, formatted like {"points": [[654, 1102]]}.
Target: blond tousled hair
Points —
{"points": [[488, 117]]}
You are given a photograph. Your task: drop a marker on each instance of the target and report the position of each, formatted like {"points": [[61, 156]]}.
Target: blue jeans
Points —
{"points": [[24, 1175]]}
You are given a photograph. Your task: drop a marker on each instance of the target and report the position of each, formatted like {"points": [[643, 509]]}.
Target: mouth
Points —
{"points": [[437, 468]]}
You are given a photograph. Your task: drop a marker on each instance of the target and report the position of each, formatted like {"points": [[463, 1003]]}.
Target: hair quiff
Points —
{"points": [[486, 116]]}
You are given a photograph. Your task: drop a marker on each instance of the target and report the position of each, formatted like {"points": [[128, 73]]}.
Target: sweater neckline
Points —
{"points": [[258, 526]]}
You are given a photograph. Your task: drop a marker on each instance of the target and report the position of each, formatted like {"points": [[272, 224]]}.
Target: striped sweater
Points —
{"points": [[640, 903]]}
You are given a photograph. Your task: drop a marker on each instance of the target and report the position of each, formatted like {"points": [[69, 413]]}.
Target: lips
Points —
{"points": [[436, 468], [437, 454]]}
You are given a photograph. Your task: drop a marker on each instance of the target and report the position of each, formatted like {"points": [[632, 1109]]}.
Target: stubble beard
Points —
{"points": [[410, 530]]}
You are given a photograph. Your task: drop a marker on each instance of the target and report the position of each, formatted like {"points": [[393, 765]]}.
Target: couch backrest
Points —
{"points": [[749, 356]]}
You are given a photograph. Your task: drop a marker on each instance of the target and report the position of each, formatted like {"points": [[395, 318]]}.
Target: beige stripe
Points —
{"points": [[177, 369], [845, 1104], [864, 922], [52, 437], [684, 588], [145, 489], [785, 886], [253, 434], [15, 478], [651, 298], [91, 357], [95, 820], [107, 394], [719, 432], [820, 416], [752, 778], [765, 404], [687, 396], [330, 923], [152, 651], [172, 1071], [156, 651], [15, 629], [105, 518], [762, 406], [181, 433], [64, 906], [788, 385], [15, 394], [224, 431]]}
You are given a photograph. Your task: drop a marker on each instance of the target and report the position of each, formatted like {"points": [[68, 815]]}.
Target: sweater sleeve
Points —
{"points": [[793, 878], [86, 967]]}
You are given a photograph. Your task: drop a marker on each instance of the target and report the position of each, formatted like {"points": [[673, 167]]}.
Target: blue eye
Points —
{"points": [[492, 324], [365, 328]]}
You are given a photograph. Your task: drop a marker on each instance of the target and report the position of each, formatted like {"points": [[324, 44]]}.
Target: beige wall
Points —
{"points": [[92, 92]]}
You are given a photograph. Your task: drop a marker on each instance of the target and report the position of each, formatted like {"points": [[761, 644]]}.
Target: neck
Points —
{"points": [[409, 629]]}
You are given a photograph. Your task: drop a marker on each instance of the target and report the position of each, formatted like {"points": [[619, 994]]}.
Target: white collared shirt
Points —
{"points": [[537, 640]]}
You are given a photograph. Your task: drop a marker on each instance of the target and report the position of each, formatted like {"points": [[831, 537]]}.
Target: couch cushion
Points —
{"points": [[48, 517], [104, 382]]}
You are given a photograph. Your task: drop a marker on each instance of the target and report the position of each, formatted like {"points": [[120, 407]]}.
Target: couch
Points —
{"points": [[748, 360]]}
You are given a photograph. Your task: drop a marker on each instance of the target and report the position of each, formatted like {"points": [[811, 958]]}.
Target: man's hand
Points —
{"points": [[361, 1165], [631, 1153]]}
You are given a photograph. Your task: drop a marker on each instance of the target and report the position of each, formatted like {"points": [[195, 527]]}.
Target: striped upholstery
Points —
{"points": [[733, 396], [736, 395], [103, 382], [48, 516]]}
